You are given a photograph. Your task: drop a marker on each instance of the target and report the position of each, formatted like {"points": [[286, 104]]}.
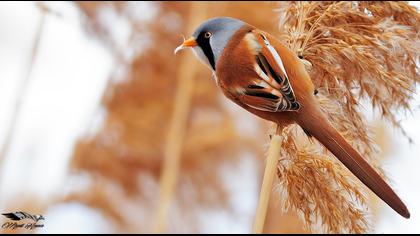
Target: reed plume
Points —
{"points": [[358, 54]]}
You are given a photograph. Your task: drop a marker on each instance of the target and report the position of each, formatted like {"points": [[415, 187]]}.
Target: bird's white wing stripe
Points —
{"points": [[275, 55], [261, 73]]}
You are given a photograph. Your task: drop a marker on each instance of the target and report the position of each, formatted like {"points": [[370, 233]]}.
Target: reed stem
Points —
{"points": [[266, 187], [177, 126]]}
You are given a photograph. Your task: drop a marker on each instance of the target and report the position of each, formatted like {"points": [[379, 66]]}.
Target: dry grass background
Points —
{"points": [[363, 51], [139, 110], [354, 51]]}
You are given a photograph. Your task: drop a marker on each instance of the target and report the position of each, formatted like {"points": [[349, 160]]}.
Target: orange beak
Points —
{"points": [[186, 44]]}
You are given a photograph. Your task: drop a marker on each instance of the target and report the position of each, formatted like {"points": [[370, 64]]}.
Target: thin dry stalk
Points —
{"points": [[177, 128], [266, 187], [21, 92]]}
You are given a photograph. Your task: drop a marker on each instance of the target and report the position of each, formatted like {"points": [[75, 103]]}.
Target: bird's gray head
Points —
{"points": [[211, 37]]}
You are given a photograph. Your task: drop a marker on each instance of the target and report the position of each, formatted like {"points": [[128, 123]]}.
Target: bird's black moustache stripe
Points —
{"points": [[204, 44]]}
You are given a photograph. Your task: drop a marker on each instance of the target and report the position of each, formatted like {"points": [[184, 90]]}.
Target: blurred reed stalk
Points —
{"points": [[21, 92], [266, 187], [177, 126]]}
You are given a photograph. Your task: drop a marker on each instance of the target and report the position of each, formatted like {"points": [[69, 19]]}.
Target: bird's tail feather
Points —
{"points": [[314, 122]]}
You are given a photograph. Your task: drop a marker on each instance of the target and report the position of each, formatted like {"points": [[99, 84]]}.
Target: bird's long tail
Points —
{"points": [[315, 123]]}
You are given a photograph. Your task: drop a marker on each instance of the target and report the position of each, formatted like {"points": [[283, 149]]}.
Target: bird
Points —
{"points": [[262, 75]]}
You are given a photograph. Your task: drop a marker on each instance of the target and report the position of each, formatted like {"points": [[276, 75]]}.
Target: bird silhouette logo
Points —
{"points": [[21, 215]]}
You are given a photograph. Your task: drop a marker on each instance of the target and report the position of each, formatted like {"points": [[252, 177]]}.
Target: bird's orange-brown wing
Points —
{"points": [[270, 90]]}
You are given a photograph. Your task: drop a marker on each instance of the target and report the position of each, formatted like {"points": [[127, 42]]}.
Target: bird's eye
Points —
{"points": [[207, 35]]}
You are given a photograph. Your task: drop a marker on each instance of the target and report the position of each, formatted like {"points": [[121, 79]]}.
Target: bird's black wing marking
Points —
{"points": [[288, 101], [270, 90]]}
